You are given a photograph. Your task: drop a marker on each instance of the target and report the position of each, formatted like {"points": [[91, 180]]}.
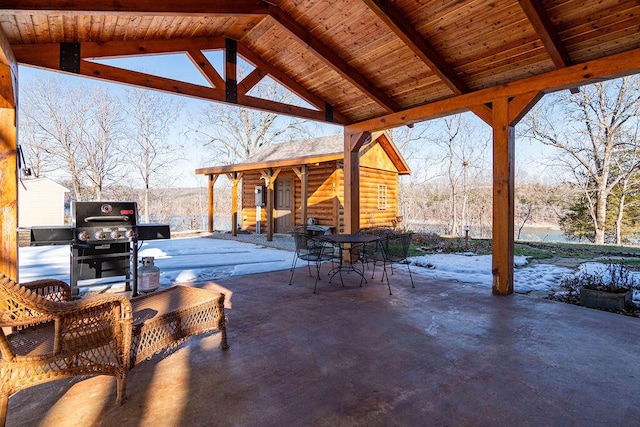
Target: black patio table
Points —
{"points": [[350, 243]]}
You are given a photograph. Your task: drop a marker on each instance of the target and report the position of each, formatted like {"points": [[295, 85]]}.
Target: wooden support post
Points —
{"points": [[352, 144], [506, 114], [303, 174], [503, 199], [270, 182], [211, 214], [235, 179], [8, 161]]}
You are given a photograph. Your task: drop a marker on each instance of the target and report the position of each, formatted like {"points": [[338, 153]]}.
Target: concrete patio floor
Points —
{"points": [[442, 354]]}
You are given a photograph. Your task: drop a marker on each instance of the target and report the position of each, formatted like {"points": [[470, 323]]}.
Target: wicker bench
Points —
{"points": [[164, 319], [44, 336]]}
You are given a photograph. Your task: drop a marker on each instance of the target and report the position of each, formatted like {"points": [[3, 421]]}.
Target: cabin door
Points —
{"points": [[284, 199]]}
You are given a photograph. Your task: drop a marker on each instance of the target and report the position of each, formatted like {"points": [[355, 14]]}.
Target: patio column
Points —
{"points": [[352, 145], [235, 179], [303, 176], [506, 114], [210, 215], [8, 161], [270, 182]]}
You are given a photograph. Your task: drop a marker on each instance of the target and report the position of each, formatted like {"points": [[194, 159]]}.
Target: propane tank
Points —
{"points": [[148, 275]]}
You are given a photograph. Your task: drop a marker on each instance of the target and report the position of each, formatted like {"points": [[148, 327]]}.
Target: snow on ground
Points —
{"points": [[199, 259], [476, 269]]}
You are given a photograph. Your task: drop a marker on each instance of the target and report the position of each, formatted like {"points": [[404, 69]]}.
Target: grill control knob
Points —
{"points": [[83, 236], [115, 234], [100, 235], [130, 234]]}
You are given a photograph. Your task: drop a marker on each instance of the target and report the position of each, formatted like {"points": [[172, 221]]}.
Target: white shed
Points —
{"points": [[40, 202]]}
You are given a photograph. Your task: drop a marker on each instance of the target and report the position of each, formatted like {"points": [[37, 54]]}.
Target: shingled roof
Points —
{"points": [[300, 149], [308, 151]]}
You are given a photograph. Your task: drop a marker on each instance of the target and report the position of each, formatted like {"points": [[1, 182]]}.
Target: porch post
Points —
{"points": [[8, 161], [503, 206], [352, 144], [506, 114], [210, 215], [303, 175], [235, 179]]}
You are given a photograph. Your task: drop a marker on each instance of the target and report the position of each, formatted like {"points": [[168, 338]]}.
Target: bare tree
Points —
{"points": [[54, 116], [233, 134], [150, 116], [461, 155], [589, 131], [100, 141]]}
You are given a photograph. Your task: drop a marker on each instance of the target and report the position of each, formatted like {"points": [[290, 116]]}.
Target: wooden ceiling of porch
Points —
{"points": [[352, 60]]}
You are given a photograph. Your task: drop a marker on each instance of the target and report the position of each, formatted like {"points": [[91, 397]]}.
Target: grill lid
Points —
{"points": [[96, 214]]}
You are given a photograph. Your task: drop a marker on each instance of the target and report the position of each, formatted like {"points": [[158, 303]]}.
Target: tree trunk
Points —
{"points": [[619, 219], [601, 217]]}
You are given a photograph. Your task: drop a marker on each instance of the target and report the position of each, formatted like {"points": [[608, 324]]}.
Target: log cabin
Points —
{"points": [[308, 184]]}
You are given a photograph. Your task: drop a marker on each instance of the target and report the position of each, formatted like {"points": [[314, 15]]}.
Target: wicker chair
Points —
{"points": [[52, 337]]}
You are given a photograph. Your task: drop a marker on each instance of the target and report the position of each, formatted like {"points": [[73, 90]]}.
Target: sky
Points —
{"points": [[198, 260], [179, 67]]}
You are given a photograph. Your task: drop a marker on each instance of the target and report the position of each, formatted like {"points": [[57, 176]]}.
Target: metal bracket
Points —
{"points": [[70, 57]]}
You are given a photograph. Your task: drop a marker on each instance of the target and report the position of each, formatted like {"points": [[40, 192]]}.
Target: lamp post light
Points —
{"points": [[466, 236]]}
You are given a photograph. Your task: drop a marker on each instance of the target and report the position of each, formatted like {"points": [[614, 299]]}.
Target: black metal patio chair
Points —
{"points": [[312, 249], [393, 248]]}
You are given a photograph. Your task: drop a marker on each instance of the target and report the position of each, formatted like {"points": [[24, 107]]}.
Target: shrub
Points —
{"points": [[614, 278]]}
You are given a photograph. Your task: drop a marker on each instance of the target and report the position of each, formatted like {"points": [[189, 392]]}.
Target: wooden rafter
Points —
{"points": [[137, 7], [333, 60], [206, 68], [546, 31], [423, 50], [287, 82], [610, 67]]}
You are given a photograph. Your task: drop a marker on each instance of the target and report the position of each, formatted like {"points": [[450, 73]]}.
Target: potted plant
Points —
{"points": [[609, 288]]}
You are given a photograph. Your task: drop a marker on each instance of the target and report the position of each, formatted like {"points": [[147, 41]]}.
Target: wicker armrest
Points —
{"points": [[82, 322], [51, 289]]}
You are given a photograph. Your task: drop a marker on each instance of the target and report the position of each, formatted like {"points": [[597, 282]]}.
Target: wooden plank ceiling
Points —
{"points": [[352, 60]]}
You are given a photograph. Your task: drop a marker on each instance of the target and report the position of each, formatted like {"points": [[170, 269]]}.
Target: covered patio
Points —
{"points": [[440, 354]]}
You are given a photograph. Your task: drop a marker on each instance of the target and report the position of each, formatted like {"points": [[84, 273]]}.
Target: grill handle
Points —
{"points": [[107, 218]]}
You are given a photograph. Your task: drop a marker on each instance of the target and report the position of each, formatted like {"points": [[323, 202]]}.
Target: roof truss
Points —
{"points": [[48, 56]]}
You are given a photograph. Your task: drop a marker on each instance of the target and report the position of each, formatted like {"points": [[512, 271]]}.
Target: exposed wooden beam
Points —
{"points": [[206, 68], [520, 105], [287, 82], [416, 42], [331, 58], [48, 55], [541, 23], [605, 68], [138, 7], [249, 81], [423, 50], [134, 78], [546, 31]]}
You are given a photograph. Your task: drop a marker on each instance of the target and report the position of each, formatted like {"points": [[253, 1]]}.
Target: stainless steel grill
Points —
{"points": [[104, 239]]}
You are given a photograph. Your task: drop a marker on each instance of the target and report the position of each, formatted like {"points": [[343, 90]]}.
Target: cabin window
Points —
{"points": [[382, 197]]}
